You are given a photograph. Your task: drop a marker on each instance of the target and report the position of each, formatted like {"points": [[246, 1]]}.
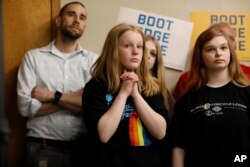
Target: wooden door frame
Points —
{"points": [[5, 136], [4, 128], [55, 8]]}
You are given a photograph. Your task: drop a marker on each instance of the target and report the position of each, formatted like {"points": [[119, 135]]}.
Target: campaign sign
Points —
{"points": [[173, 34], [239, 21]]}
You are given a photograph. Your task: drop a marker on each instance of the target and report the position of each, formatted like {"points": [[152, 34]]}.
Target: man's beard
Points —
{"points": [[69, 34]]}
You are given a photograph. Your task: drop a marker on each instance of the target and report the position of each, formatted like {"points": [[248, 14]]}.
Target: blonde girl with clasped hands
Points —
{"points": [[124, 109]]}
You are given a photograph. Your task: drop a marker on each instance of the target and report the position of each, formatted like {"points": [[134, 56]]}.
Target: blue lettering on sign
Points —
{"points": [[164, 49], [152, 21], [234, 20], [162, 37], [231, 19], [159, 35], [157, 27]]}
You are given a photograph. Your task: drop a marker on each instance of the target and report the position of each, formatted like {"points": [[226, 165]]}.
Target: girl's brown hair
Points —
{"points": [[158, 71], [197, 76]]}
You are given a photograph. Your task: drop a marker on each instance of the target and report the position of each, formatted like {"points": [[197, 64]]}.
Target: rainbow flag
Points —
{"points": [[138, 134]]}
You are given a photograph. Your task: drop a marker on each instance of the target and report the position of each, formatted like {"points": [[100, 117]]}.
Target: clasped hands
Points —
{"points": [[129, 83]]}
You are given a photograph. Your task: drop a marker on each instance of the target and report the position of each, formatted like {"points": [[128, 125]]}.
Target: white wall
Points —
{"points": [[102, 16]]}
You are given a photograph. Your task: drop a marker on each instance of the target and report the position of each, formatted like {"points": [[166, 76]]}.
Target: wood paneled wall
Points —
{"points": [[27, 24]]}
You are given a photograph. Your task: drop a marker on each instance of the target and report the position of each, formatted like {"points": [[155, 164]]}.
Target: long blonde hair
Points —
{"points": [[108, 67], [158, 71]]}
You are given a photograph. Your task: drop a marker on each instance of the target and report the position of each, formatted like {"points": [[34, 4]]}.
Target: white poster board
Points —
{"points": [[173, 34]]}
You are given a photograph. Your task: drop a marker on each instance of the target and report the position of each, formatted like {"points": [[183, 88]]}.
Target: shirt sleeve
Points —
{"points": [[94, 104], [26, 80], [179, 124], [157, 104], [181, 85]]}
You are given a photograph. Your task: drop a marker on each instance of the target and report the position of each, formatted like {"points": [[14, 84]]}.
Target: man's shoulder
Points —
{"points": [[184, 75], [245, 69], [90, 55], [93, 54], [42, 48], [183, 79]]}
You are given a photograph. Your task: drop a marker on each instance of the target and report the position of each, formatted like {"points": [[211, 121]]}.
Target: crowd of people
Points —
{"points": [[115, 109]]}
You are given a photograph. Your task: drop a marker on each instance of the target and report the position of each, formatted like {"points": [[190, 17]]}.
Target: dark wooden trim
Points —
{"points": [[55, 8], [4, 128]]}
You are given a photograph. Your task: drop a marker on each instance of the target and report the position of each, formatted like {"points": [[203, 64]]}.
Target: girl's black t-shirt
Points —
{"points": [[212, 125], [131, 145]]}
